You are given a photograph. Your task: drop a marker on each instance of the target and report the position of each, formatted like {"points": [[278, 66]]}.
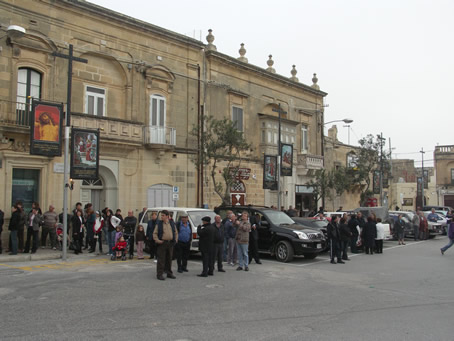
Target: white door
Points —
{"points": [[157, 119]]}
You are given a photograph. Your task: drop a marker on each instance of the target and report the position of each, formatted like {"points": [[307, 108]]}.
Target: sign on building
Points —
{"points": [[46, 128], [286, 159], [84, 154], [270, 172]]}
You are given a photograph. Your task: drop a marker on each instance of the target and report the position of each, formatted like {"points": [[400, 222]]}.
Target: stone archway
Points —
{"points": [[101, 192]]}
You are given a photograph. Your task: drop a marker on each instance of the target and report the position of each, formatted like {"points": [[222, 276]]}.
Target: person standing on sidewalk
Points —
{"points": [[423, 226], [416, 221], [451, 238], [242, 242], [344, 236], [77, 223], [230, 231], [21, 230], [254, 239], [129, 224], [35, 220], [183, 247], [13, 227], [140, 241], [49, 228], [380, 236], [206, 234], [165, 235], [334, 238], [218, 243]]}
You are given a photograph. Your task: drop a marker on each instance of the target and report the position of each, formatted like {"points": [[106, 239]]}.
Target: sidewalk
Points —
{"points": [[46, 254]]}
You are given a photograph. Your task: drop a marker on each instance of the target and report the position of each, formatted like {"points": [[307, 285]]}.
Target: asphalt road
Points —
{"points": [[406, 293]]}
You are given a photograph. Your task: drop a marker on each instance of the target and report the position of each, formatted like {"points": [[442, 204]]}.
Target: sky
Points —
{"points": [[388, 65]]}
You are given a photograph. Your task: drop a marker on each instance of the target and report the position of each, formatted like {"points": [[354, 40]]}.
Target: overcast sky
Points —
{"points": [[386, 64]]}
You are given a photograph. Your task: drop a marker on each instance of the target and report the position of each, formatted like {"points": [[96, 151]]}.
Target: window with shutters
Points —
{"points": [[237, 117], [303, 139], [157, 111]]}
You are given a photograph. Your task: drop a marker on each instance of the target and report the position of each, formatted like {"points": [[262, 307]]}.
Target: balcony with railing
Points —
{"points": [[444, 149], [15, 114], [158, 136], [308, 161]]}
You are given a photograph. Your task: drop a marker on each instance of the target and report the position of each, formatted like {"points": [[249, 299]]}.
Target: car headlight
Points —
{"points": [[301, 235]]}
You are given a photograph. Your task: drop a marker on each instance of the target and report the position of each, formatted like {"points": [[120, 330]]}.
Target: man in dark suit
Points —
{"points": [[253, 240], [206, 233]]}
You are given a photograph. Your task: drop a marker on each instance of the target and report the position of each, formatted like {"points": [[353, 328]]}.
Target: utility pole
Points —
{"points": [[390, 178], [279, 111], [381, 169], [422, 177], [66, 184]]}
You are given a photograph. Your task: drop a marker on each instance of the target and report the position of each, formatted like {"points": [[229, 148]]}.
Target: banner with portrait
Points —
{"points": [[286, 159], [270, 172], [46, 128], [376, 182], [84, 154]]}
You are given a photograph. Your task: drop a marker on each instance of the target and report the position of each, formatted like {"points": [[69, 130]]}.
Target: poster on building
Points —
{"points": [[286, 159], [84, 154], [46, 128], [376, 182], [269, 172]]}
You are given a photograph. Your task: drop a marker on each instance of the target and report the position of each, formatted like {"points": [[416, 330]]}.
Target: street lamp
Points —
{"points": [[322, 125]]}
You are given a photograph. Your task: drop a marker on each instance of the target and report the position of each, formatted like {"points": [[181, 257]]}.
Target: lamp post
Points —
{"points": [[322, 126]]}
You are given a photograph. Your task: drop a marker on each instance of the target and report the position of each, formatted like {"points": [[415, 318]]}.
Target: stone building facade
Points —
{"points": [[144, 88], [444, 165]]}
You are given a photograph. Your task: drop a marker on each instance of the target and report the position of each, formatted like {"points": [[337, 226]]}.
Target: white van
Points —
{"points": [[195, 216]]}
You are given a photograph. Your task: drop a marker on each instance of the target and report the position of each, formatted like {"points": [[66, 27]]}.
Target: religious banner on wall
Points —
{"points": [[46, 128], [286, 159], [376, 182], [84, 154], [270, 172]]}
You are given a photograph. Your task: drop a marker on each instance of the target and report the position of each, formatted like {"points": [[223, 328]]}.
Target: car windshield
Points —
{"points": [[278, 217], [196, 216]]}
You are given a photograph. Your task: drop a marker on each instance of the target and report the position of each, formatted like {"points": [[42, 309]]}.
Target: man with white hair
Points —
{"points": [[50, 228]]}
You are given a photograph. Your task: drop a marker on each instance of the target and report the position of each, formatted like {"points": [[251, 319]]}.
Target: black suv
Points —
{"points": [[279, 234]]}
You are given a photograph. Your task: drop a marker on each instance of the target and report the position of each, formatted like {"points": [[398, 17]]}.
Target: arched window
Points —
{"points": [[28, 87]]}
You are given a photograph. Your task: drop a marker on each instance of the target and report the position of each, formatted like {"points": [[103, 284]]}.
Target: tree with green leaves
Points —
{"points": [[321, 184], [369, 155], [221, 151]]}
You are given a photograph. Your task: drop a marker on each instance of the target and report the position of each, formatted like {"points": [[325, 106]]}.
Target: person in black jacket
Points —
{"points": [[183, 246], [334, 238], [77, 231], [353, 227], [254, 239], [14, 227], [129, 223], [345, 235], [218, 243], [206, 234], [368, 234]]}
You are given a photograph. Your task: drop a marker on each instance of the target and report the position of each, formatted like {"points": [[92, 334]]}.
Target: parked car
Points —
{"points": [[314, 224], [279, 235], [195, 216], [438, 227], [442, 209]]}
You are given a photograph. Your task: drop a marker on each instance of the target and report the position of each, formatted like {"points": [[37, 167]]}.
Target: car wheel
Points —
{"points": [[310, 255], [284, 251]]}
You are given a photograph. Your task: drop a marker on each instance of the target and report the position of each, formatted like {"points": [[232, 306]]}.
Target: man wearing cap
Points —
{"points": [[206, 233], [183, 247], [165, 236]]}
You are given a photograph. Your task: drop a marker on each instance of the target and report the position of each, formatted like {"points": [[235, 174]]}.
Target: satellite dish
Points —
{"points": [[15, 31]]}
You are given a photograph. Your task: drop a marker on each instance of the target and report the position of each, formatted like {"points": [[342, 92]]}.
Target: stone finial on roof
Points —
{"points": [[314, 81], [242, 52], [270, 63], [294, 72], [210, 39]]}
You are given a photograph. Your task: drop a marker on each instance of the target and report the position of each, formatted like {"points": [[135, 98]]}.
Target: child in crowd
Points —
{"points": [[120, 248], [118, 233], [140, 241]]}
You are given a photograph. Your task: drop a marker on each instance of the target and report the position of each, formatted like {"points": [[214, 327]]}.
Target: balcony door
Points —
{"points": [[157, 119], [28, 87]]}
